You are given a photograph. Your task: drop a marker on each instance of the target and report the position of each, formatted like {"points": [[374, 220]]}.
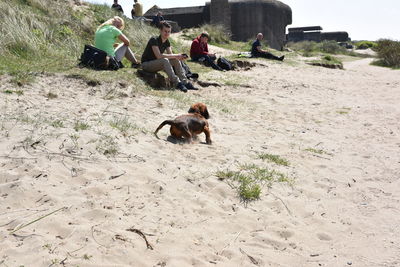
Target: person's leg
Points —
{"points": [[211, 62], [161, 64], [269, 56], [208, 59], [124, 51], [179, 70]]}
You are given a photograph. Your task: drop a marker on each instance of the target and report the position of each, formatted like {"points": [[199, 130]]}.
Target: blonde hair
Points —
{"points": [[111, 22]]}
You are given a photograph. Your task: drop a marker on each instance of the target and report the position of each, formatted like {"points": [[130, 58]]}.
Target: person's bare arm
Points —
{"points": [[124, 39], [168, 54]]}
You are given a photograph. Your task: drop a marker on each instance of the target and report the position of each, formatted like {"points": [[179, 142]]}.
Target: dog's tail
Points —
{"points": [[169, 122]]}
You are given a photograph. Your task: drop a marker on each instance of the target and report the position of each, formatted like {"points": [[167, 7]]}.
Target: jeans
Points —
{"points": [[124, 51], [265, 55], [209, 59], [166, 65]]}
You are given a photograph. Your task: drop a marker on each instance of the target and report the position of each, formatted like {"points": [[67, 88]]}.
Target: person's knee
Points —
{"points": [[165, 61]]}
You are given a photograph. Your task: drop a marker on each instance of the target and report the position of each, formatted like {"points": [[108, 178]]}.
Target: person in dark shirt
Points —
{"points": [[158, 56], [157, 20], [256, 50], [199, 51], [117, 6]]}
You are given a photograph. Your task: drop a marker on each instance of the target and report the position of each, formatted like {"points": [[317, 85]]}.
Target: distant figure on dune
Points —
{"points": [[157, 20], [106, 37], [199, 51], [137, 9], [256, 50], [117, 6]]}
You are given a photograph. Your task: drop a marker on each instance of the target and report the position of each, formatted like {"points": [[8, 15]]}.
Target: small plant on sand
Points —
{"points": [[122, 124], [51, 95], [274, 158], [318, 151], [250, 180], [107, 146], [57, 124], [80, 126]]}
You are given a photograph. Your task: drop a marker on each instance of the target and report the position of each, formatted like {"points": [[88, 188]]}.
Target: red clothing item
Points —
{"points": [[198, 48]]}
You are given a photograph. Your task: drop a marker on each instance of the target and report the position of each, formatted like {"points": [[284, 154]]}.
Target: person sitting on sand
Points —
{"points": [[158, 56], [199, 51], [117, 7], [157, 20], [256, 50], [106, 37]]}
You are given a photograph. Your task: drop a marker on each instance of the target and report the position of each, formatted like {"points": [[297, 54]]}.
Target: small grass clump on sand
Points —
{"points": [[318, 151], [107, 146], [81, 126], [388, 53], [275, 159], [123, 125], [250, 180], [328, 61]]}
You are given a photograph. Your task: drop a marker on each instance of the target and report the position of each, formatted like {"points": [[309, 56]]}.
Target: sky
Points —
{"points": [[362, 19]]}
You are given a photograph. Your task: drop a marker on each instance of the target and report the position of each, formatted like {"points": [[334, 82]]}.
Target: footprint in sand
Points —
{"points": [[324, 237]]}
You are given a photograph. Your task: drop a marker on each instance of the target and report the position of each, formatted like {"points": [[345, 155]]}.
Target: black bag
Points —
{"points": [[95, 58], [225, 64], [188, 72]]}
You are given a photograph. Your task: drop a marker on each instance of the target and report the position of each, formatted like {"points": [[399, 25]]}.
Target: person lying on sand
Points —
{"points": [[256, 50], [158, 56], [199, 51], [106, 37]]}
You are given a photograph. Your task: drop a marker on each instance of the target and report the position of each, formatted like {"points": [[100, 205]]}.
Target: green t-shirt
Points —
{"points": [[105, 38]]}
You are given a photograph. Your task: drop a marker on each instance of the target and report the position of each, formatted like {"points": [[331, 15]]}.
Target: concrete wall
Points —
{"points": [[270, 17], [220, 13]]}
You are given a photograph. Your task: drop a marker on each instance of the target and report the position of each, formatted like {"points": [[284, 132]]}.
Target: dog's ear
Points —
{"points": [[205, 113], [194, 109]]}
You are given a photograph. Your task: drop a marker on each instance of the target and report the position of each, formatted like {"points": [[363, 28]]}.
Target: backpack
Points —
{"points": [[95, 58], [225, 64], [188, 72]]}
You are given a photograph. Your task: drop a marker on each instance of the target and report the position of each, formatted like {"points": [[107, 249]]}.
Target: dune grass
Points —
{"points": [[388, 53], [274, 158], [48, 36], [251, 179]]}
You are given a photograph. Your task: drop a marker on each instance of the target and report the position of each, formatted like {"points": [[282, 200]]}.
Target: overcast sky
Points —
{"points": [[362, 19]]}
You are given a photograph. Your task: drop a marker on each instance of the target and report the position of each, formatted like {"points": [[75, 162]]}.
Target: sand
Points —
{"points": [[342, 209]]}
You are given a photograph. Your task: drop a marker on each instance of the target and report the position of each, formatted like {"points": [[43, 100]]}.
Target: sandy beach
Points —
{"points": [[338, 129]]}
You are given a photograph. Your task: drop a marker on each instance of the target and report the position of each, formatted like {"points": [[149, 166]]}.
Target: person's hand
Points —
{"points": [[213, 55], [115, 45], [182, 57]]}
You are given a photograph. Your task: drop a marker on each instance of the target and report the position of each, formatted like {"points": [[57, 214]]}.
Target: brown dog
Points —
{"points": [[201, 109], [190, 125]]}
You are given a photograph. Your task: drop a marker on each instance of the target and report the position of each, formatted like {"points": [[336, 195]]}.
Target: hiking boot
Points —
{"points": [[182, 87], [190, 86], [282, 58], [135, 65]]}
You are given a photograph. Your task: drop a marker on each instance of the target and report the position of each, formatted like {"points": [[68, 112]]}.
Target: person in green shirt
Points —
{"points": [[106, 38]]}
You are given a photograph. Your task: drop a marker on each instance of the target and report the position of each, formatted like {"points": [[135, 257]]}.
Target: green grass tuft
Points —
{"points": [[274, 158], [250, 180]]}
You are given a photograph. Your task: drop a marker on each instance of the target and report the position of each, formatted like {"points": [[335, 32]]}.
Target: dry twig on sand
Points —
{"points": [[142, 235]]}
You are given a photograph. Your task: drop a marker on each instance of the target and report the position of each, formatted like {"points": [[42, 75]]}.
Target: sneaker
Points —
{"points": [[135, 65], [190, 86], [282, 58], [182, 87]]}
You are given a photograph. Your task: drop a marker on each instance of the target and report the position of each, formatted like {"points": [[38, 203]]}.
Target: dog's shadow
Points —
{"points": [[182, 141]]}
